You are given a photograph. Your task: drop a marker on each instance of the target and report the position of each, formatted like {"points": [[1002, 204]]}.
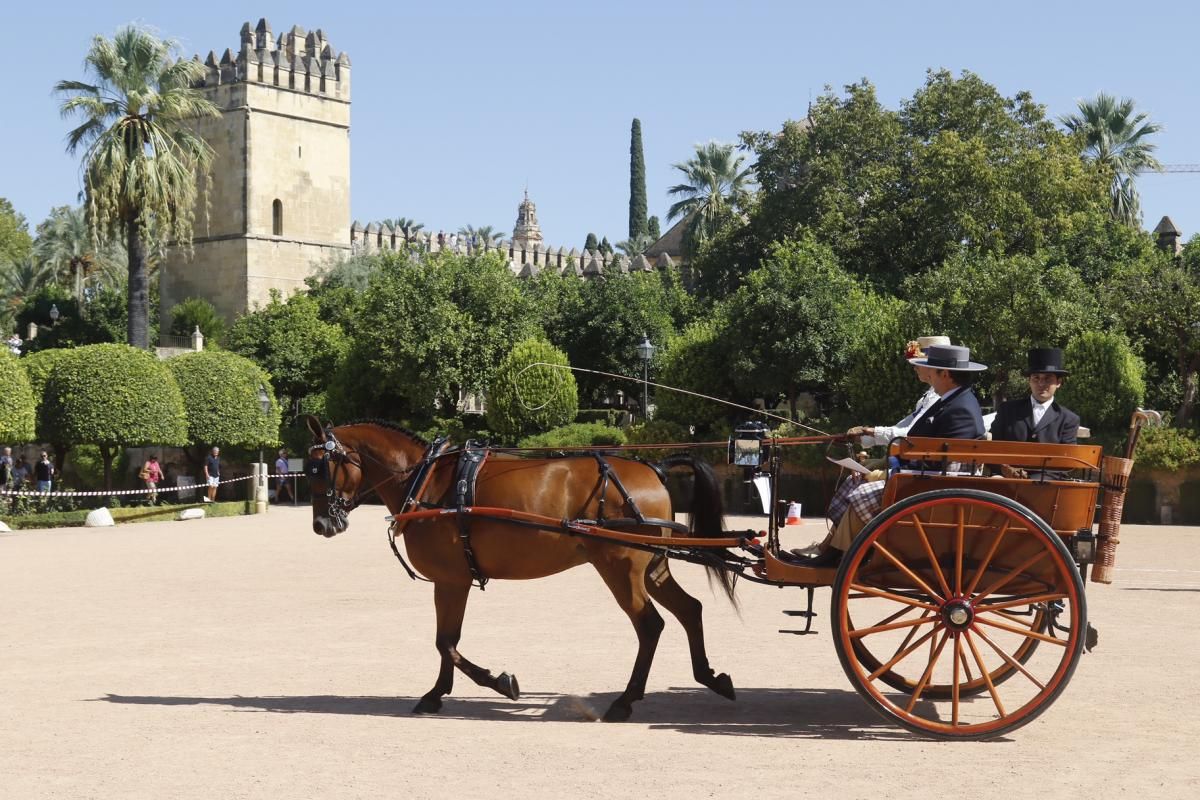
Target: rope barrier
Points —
{"points": [[159, 490]]}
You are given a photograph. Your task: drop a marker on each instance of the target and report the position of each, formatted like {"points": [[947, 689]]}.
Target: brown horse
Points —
{"points": [[350, 460]]}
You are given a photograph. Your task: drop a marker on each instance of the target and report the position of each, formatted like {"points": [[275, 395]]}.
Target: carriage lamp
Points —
{"points": [[745, 444], [645, 353], [1083, 546]]}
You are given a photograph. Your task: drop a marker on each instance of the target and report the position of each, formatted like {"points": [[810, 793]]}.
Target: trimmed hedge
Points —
{"points": [[75, 519], [220, 397], [522, 399], [579, 434], [1106, 383], [17, 406]]}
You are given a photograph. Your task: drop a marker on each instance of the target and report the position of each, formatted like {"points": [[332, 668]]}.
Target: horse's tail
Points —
{"points": [[706, 518]]}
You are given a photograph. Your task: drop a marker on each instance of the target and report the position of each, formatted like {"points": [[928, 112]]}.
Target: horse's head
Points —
{"points": [[334, 471]]}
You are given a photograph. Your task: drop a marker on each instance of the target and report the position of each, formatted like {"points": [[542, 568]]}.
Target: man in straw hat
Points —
{"points": [[955, 415], [1038, 417]]}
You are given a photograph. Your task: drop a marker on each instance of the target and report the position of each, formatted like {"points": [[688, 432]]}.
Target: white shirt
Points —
{"points": [[1039, 409], [883, 435]]}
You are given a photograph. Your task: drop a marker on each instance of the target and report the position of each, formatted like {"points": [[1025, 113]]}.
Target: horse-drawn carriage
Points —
{"points": [[958, 612]]}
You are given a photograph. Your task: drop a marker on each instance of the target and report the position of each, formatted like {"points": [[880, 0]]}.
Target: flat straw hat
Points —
{"points": [[915, 350], [951, 357]]}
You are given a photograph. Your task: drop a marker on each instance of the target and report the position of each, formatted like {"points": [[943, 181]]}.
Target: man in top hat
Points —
{"points": [[955, 415], [1038, 417]]}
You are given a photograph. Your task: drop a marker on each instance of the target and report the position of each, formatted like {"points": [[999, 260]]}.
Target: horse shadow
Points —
{"points": [[762, 712]]}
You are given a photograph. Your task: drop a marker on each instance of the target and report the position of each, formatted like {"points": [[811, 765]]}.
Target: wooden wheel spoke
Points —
{"points": [[987, 560], [1022, 631], [1022, 601], [937, 568], [900, 656], [912, 576], [960, 532], [908, 637], [1012, 662], [962, 655], [896, 598], [1014, 618], [933, 657], [987, 676], [861, 632], [1014, 572], [958, 655], [896, 616]]}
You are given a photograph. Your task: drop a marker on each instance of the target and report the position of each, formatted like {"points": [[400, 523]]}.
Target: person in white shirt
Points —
{"points": [[880, 435]]}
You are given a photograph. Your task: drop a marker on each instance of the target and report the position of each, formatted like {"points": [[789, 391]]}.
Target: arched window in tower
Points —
{"points": [[277, 217]]}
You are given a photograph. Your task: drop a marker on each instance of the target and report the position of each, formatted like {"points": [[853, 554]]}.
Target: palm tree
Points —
{"points": [[635, 245], [483, 235], [141, 161], [66, 246], [20, 280], [1115, 137], [408, 227], [715, 187]]}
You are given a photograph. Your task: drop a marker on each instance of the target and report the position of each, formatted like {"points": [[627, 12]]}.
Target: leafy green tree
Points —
{"points": [[654, 229], [1002, 307], [18, 283], [38, 366], [1118, 140], [291, 341], [1106, 383], [591, 244], [556, 303], [141, 158], [17, 406], [577, 434], [193, 313], [429, 332], [789, 326], [15, 241], [880, 386], [637, 183], [715, 187], [220, 393], [113, 396], [696, 361], [523, 398]]}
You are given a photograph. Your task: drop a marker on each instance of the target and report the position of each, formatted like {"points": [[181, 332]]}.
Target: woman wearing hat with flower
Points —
{"points": [[955, 415], [1038, 417], [880, 434]]}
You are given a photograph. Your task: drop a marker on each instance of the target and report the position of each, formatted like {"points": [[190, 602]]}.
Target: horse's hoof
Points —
{"points": [[428, 705], [618, 713], [723, 686], [507, 685]]}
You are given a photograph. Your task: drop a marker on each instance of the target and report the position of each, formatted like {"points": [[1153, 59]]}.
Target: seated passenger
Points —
{"points": [[1038, 417], [955, 415], [881, 435]]}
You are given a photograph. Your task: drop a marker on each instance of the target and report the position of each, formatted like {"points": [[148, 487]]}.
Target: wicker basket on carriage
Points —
{"points": [[1115, 480]]}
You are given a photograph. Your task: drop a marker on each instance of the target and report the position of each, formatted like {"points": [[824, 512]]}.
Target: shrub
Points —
{"points": [[112, 395], [17, 405], [522, 399], [1167, 448], [196, 312], [579, 434], [1106, 383], [694, 361], [880, 386], [221, 399]]}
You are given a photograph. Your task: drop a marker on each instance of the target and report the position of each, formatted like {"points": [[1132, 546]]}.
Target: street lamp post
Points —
{"points": [[54, 314], [645, 353], [260, 494]]}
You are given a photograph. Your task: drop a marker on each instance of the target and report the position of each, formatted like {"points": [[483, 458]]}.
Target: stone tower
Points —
{"points": [[279, 198], [527, 235]]}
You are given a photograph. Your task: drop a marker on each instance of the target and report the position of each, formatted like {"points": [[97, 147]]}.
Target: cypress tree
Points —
{"points": [[653, 229], [605, 247], [637, 182], [592, 244]]}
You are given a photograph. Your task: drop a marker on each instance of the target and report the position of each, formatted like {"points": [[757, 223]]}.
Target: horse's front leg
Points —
{"points": [[625, 579], [450, 601]]}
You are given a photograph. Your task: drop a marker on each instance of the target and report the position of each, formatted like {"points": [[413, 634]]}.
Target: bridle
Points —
{"points": [[332, 450]]}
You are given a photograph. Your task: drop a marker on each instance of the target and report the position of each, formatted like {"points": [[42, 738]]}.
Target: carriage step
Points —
{"points": [[809, 615], [799, 613]]}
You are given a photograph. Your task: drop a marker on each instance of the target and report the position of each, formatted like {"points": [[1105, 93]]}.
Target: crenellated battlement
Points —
{"points": [[523, 261], [295, 60]]}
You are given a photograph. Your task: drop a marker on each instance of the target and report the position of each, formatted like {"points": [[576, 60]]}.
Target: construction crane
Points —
{"points": [[1171, 168]]}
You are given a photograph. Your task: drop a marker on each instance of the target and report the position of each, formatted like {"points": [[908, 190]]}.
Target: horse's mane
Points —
{"points": [[383, 423]]}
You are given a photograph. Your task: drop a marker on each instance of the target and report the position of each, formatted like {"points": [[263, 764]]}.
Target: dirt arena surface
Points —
{"points": [[250, 658]]}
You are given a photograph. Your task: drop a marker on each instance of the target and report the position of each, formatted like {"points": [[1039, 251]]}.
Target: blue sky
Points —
{"points": [[457, 106]]}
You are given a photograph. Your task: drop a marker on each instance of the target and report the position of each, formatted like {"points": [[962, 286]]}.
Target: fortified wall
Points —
{"points": [[279, 195]]}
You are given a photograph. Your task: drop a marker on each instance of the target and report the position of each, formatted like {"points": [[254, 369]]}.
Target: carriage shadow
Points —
{"points": [[765, 712]]}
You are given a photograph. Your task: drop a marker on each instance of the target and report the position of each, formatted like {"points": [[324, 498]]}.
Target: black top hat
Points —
{"points": [[1046, 359], [944, 356]]}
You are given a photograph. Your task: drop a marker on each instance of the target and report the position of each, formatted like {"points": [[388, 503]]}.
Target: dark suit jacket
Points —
{"points": [[1014, 423], [958, 417]]}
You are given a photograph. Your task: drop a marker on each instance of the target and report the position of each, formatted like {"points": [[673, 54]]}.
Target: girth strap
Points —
{"points": [[470, 461]]}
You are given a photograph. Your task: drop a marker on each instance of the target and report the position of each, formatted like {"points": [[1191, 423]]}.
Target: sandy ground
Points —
{"points": [[249, 658]]}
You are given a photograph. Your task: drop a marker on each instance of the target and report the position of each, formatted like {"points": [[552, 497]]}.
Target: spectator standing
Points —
{"points": [[212, 474], [43, 473], [20, 473], [152, 474], [282, 487], [14, 344], [6, 469]]}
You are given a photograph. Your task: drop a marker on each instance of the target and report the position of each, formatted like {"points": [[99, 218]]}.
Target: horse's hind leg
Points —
{"points": [[624, 579], [450, 600], [661, 585]]}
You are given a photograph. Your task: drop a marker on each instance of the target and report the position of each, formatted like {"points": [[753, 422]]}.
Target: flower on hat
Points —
{"points": [[913, 350]]}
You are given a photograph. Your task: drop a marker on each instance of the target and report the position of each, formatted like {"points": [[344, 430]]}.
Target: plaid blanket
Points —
{"points": [[867, 499]]}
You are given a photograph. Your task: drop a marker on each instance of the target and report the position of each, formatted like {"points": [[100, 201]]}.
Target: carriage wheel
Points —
{"points": [[941, 609]]}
